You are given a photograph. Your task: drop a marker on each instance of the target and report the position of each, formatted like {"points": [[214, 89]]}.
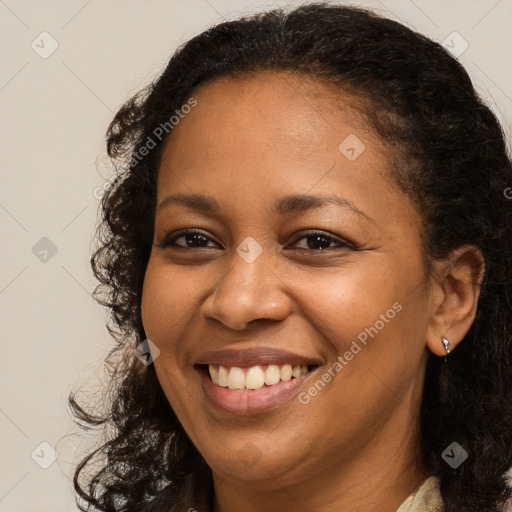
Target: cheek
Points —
{"points": [[374, 324], [166, 300], [344, 302], [374, 316], [166, 311]]}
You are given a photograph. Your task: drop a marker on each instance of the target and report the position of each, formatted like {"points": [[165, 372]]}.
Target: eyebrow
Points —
{"points": [[287, 205]]}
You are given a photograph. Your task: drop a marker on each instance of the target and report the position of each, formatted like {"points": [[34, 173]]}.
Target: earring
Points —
{"points": [[446, 343]]}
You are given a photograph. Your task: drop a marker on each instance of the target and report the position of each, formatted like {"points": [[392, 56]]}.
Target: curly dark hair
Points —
{"points": [[450, 159]]}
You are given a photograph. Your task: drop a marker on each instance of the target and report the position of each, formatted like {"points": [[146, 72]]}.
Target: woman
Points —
{"points": [[306, 254]]}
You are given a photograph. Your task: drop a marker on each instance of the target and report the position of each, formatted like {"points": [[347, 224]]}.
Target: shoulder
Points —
{"points": [[426, 499]]}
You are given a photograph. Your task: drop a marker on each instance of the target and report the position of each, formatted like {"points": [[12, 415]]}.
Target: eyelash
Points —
{"points": [[169, 240]]}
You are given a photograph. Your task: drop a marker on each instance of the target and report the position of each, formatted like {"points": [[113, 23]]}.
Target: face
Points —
{"points": [[306, 261]]}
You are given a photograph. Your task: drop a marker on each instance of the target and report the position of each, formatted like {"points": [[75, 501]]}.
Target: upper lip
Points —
{"points": [[255, 356]]}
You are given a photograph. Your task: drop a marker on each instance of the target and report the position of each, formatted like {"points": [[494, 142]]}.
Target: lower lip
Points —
{"points": [[247, 402]]}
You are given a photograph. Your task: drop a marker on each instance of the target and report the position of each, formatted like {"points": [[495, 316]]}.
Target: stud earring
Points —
{"points": [[446, 343]]}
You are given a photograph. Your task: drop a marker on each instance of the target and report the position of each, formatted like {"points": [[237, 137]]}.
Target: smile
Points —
{"points": [[246, 391], [255, 377]]}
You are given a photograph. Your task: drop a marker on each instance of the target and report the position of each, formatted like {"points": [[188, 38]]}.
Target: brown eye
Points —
{"points": [[193, 239], [320, 241]]}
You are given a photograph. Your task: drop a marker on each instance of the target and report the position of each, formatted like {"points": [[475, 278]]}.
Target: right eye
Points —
{"points": [[192, 238]]}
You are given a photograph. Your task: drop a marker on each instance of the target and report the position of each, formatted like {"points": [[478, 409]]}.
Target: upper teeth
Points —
{"points": [[254, 377]]}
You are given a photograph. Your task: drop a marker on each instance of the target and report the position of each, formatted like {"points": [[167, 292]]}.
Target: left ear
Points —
{"points": [[455, 292]]}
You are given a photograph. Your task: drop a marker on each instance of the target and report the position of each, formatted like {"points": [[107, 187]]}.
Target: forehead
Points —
{"points": [[277, 134], [267, 120], [282, 105]]}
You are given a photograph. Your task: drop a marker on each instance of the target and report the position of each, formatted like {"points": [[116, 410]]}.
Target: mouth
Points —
{"points": [[252, 389], [254, 377]]}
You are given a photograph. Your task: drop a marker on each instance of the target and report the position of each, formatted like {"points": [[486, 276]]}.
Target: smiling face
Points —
{"points": [[335, 278]]}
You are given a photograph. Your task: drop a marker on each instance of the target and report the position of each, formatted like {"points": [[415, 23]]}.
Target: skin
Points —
{"points": [[247, 143]]}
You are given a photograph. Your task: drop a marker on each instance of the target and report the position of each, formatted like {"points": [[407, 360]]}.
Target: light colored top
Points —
{"points": [[426, 499]]}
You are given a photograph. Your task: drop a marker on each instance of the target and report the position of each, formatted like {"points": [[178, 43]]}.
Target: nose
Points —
{"points": [[248, 293]]}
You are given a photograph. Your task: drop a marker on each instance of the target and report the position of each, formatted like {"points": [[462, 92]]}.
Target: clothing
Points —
{"points": [[426, 499]]}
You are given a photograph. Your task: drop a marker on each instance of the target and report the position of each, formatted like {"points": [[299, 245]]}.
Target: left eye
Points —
{"points": [[323, 240], [317, 241]]}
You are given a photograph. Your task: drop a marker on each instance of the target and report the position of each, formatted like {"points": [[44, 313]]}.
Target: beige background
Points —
{"points": [[54, 113]]}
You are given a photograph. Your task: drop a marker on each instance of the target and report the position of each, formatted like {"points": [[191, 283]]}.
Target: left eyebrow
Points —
{"points": [[287, 205], [300, 203]]}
